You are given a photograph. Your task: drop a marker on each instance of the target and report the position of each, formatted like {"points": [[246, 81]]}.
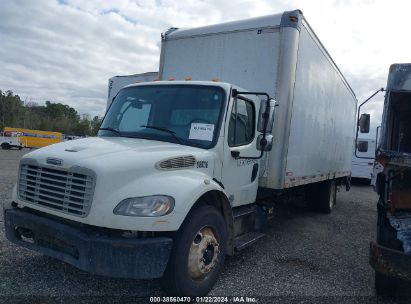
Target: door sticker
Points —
{"points": [[246, 162], [201, 131]]}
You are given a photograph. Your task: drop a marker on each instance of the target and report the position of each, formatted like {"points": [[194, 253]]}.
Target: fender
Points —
{"points": [[187, 187]]}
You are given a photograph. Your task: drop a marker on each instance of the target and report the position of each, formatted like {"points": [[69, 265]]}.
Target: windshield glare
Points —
{"points": [[191, 112]]}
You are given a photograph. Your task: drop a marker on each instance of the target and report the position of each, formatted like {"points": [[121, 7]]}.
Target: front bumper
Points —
{"points": [[139, 258], [390, 262]]}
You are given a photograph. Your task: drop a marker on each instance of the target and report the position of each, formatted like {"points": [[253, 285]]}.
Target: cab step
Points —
{"points": [[241, 212], [247, 239]]}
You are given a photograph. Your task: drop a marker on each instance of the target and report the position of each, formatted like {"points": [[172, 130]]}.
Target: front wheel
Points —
{"points": [[198, 253], [5, 146]]}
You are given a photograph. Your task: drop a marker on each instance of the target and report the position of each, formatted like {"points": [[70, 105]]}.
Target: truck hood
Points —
{"points": [[113, 152]]}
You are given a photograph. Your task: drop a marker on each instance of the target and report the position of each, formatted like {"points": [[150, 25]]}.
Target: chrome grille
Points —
{"points": [[66, 191], [177, 162]]}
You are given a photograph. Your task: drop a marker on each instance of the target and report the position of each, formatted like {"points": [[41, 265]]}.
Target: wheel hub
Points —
{"points": [[203, 254]]}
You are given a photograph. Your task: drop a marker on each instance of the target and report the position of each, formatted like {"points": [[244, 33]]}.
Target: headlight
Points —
{"points": [[156, 205]]}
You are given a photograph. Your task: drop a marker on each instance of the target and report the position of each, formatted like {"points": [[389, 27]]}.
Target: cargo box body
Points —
{"points": [[280, 55]]}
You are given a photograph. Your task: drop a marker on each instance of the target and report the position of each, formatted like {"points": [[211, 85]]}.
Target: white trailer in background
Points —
{"points": [[117, 82], [363, 159]]}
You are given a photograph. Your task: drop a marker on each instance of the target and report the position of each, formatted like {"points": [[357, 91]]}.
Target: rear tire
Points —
{"points": [[322, 196], [198, 253]]}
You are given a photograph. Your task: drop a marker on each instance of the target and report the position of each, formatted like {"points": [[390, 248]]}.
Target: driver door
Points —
{"points": [[240, 176]]}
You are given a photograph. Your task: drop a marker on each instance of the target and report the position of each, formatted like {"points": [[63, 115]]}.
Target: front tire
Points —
{"points": [[5, 146], [198, 253]]}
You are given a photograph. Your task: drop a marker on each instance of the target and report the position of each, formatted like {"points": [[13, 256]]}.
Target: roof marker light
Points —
{"points": [[189, 78], [172, 78], [216, 79]]}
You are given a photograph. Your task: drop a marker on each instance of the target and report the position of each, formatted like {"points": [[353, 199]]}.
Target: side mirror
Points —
{"points": [[268, 140], [364, 123], [261, 115]]}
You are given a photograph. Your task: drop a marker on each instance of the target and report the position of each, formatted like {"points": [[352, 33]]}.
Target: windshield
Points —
{"points": [[184, 114]]}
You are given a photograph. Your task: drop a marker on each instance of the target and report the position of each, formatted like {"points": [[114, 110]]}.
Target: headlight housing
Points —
{"points": [[147, 206]]}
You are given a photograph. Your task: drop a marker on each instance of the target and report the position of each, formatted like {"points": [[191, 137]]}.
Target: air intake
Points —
{"points": [[177, 163]]}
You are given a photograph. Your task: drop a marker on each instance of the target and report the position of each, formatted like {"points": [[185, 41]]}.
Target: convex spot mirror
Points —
{"points": [[265, 143], [262, 115], [364, 123]]}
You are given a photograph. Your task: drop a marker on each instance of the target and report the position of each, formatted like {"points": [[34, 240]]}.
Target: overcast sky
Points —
{"points": [[65, 51]]}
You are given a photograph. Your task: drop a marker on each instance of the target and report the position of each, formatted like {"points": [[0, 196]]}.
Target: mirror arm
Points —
{"points": [[358, 122]]}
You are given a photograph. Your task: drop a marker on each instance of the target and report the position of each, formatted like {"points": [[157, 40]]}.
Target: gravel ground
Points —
{"points": [[305, 257]]}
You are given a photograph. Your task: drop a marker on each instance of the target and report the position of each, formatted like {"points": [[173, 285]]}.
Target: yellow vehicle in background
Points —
{"points": [[27, 138]]}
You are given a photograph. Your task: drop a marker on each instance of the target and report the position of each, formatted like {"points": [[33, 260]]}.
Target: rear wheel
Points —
{"points": [[198, 253], [322, 196]]}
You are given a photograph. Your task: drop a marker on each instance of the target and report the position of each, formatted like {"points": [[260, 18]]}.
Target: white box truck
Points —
{"points": [[185, 172], [117, 82]]}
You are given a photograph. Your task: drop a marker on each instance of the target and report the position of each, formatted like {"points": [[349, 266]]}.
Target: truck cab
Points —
{"points": [[363, 159], [390, 254], [153, 194], [9, 139]]}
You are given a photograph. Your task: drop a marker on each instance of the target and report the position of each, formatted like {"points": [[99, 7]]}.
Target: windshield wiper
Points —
{"points": [[110, 129], [164, 130]]}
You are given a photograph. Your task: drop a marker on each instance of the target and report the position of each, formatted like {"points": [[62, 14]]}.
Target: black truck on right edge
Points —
{"points": [[390, 255]]}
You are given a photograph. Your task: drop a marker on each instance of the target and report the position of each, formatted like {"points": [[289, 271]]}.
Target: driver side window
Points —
{"points": [[242, 123]]}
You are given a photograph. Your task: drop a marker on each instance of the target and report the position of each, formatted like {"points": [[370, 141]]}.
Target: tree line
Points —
{"points": [[56, 117]]}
